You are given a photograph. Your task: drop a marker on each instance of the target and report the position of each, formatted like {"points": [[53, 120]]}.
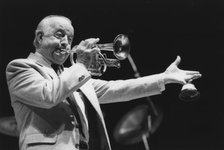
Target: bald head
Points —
{"points": [[45, 24]]}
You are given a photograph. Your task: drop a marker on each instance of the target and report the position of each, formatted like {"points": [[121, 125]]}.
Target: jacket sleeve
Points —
{"points": [[30, 84], [125, 90]]}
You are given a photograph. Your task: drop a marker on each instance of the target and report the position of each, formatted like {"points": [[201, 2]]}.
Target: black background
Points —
{"points": [[159, 30]]}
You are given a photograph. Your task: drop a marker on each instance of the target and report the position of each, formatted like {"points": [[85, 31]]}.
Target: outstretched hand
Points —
{"points": [[175, 75]]}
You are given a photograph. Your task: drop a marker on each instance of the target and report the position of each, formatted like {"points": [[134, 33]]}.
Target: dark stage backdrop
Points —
{"points": [[159, 30]]}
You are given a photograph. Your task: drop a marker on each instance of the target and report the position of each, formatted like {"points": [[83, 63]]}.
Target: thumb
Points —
{"points": [[177, 61]]}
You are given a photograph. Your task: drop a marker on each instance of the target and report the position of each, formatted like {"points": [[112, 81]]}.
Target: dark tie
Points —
{"points": [[58, 68]]}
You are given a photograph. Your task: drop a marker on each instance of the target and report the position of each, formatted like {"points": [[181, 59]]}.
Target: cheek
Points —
{"points": [[48, 47], [50, 42]]}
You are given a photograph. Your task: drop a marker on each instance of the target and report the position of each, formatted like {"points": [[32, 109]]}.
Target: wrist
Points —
{"points": [[82, 64], [165, 78]]}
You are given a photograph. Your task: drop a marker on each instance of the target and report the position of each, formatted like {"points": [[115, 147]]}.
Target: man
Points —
{"points": [[61, 111]]}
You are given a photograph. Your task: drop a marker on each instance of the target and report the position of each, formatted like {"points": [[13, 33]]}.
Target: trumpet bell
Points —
{"points": [[121, 46]]}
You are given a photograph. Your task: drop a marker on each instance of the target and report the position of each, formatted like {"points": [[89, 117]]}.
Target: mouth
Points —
{"points": [[59, 50]]}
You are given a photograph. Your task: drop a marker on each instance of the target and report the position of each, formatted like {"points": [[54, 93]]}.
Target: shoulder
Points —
{"points": [[19, 65], [20, 62]]}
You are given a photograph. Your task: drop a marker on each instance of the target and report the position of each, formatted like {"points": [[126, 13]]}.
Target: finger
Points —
{"points": [[88, 43], [92, 41], [191, 72], [177, 61], [189, 81], [81, 45], [93, 50], [194, 77]]}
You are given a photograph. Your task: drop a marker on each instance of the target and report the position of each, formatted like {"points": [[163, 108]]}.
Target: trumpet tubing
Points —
{"points": [[110, 62], [120, 48], [106, 47]]}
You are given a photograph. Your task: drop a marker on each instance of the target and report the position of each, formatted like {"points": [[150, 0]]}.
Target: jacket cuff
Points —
{"points": [[161, 83]]}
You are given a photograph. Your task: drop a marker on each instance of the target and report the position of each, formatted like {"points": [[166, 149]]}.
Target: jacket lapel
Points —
{"points": [[88, 90]]}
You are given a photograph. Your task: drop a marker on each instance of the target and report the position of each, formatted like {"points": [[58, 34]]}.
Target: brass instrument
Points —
{"points": [[189, 92], [120, 48]]}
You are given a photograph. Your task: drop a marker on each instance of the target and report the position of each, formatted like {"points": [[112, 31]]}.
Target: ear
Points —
{"points": [[39, 36]]}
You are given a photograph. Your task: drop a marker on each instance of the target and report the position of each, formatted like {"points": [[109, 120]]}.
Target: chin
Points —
{"points": [[60, 61]]}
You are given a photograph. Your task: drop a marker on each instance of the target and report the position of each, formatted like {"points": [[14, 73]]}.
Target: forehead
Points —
{"points": [[58, 23]]}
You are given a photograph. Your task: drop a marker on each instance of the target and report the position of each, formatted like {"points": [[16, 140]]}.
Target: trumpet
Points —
{"points": [[120, 49]]}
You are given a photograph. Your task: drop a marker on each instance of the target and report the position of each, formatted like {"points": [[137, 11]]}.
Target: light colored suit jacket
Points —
{"points": [[45, 119]]}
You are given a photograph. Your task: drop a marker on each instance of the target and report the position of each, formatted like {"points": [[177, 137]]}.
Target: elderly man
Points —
{"points": [[61, 111]]}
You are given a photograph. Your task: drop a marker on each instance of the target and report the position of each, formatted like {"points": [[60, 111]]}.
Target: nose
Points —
{"points": [[64, 41]]}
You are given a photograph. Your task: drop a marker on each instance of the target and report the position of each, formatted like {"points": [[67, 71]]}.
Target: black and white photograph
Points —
{"points": [[112, 75]]}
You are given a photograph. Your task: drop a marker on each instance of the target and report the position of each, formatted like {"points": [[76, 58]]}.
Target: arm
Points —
{"points": [[124, 90], [30, 84]]}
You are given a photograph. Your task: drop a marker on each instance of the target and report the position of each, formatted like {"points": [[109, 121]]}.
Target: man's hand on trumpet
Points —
{"points": [[85, 50]]}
